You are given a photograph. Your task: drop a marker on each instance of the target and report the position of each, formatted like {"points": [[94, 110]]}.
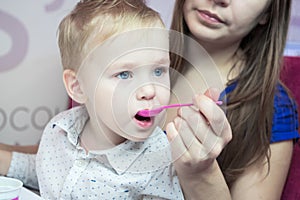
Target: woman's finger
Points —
{"points": [[177, 145], [196, 122], [214, 115], [213, 93], [201, 131]]}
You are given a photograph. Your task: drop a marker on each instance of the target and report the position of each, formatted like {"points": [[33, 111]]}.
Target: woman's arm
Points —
{"points": [[5, 159], [207, 185], [20, 166], [32, 149], [256, 183], [197, 137], [6, 154], [19, 162]]}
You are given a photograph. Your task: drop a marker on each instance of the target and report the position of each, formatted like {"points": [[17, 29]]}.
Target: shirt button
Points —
{"points": [[80, 163]]}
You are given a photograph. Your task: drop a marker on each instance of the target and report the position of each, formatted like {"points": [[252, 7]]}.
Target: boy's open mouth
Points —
{"points": [[141, 118]]}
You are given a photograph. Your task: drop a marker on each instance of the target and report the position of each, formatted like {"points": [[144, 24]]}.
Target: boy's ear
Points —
{"points": [[73, 87]]}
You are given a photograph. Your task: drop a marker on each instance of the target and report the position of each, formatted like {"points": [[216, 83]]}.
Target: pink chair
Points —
{"points": [[291, 77]]}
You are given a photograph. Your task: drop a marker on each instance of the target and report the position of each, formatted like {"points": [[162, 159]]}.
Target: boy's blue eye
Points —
{"points": [[124, 75], [158, 71]]}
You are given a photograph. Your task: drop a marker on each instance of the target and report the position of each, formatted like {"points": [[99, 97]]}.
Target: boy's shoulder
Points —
{"points": [[73, 112], [68, 118]]}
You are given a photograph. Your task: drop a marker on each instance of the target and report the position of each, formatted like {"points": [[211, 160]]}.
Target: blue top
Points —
{"points": [[285, 118]]}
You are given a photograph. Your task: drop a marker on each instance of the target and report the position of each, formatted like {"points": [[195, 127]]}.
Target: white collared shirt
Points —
{"points": [[131, 170]]}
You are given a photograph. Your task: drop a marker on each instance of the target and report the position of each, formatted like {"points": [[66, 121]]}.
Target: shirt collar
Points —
{"points": [[72, 122], [139, 157], [133, 157]]}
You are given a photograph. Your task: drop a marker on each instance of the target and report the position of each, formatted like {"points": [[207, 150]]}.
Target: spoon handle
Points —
{"points": [[177, 105]]}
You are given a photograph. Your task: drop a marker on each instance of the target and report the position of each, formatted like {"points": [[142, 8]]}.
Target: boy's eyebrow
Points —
{"points": [[124, 65], [132, 64], [165, 60]]}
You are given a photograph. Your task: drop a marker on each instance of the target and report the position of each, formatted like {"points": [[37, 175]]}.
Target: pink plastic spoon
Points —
{"points": [[156, 111]]}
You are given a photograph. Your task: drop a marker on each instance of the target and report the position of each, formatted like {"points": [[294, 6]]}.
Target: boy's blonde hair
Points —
{"points": [[93, 21]]}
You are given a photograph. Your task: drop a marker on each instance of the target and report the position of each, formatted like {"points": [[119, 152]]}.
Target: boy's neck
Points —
{"points": [[92, 138]]}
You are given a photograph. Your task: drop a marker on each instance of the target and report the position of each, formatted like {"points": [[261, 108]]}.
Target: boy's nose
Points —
{"points": [[223, 3], [146, 92]]}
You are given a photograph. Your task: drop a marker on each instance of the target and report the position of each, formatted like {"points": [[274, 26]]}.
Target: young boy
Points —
{"points": [[116, 63]]}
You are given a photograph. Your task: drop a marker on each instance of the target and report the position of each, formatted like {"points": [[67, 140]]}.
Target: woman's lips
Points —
{"points": [[210, 18]]}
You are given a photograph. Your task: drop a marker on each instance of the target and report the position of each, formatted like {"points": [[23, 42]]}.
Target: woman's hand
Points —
{"points": [[198, 135]]}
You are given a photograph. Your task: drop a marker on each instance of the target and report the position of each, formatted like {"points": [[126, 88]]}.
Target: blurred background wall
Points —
{"points": [[31, 88], [293, 43]]}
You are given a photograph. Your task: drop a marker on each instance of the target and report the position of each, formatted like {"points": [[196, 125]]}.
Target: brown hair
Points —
{"points": [[250, 109], [93, 21]]}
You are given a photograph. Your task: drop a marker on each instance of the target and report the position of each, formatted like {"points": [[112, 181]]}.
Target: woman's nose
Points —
{"points": [[223, 3], [146, 92]]}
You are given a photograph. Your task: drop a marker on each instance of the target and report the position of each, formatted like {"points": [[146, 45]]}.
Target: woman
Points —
{"points": [[246, 40]]}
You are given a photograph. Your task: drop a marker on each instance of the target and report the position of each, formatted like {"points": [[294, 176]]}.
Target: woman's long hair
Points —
{"points": [[250, 106]]}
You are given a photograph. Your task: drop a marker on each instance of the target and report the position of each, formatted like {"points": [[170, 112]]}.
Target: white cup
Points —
{"points": [[10, 188]]}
